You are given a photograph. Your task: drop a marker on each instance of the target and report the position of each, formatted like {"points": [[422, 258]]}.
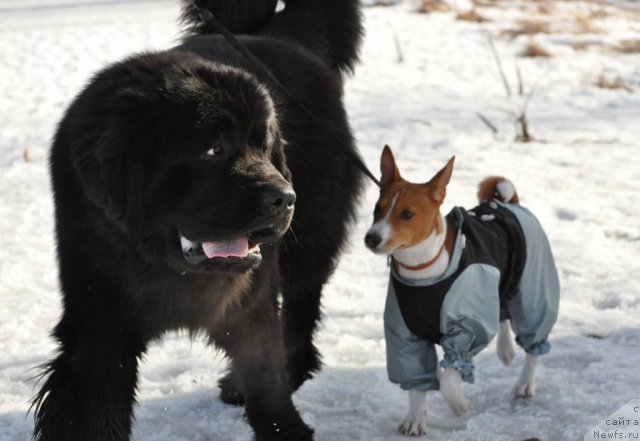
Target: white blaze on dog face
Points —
{"points": [[382, 227], [406, 213]]}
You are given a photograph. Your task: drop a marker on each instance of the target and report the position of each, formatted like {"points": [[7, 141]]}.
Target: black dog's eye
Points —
{"points": [[377, 209], [215, 150], [406, 214]]}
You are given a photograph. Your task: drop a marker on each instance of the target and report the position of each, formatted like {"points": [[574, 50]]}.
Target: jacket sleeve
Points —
{"points": [[412, 362], [469, 317]]}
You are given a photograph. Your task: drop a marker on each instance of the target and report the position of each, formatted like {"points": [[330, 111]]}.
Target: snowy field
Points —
{"points": [[581, 176]]}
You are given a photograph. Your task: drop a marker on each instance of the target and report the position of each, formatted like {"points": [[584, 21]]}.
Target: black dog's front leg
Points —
{"points": [[252, 339], [89, 391]]}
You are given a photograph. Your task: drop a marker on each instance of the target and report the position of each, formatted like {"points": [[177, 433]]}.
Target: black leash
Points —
{"points": [[208, 18]]}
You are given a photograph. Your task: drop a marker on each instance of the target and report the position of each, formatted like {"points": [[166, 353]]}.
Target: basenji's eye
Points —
{"points": [[406, 214], [215, 150], [377, 209]]}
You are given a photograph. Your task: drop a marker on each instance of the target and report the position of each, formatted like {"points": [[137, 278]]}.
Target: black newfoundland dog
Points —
{"points": [[175, 176]]}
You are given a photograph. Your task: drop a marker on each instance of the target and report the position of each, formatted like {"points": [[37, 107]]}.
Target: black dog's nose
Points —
{"points": [[279, 198], [372, 240]]}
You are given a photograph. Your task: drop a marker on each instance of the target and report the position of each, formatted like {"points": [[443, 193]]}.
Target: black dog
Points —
{"points": [[174, 177]]}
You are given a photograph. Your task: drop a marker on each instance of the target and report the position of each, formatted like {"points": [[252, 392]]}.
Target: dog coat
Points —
{"points": [[501, 268]]}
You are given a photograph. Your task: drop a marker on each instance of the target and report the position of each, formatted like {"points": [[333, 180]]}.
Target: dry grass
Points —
{"points": [[527, 27], [434, 6], [577, 23], [545, 8], [611, 82], [628, 46], [485, 4], [472, 15], [596, 10], [581, 45], [584, 23], [535, 49]]}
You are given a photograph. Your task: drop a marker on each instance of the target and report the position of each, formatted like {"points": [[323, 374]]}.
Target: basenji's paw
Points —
{"points": [[451, 390], [526, 385], [460, 407], [524, 389], [412, 426], [506, 351]]}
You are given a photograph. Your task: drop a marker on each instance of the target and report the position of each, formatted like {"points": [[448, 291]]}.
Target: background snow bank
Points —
{"points": [[582, 180]]}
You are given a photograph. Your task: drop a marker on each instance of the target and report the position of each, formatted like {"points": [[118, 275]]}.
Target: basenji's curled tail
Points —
{"points": [[497, 187]]}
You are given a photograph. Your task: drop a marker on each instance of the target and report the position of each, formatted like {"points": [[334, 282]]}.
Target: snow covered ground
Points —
{"points": [[582, 179]]}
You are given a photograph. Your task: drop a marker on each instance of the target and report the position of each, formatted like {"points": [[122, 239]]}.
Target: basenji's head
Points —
{"points": [[406, 213]]}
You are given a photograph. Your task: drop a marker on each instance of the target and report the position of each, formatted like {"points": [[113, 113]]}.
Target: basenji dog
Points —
{"points": [[457, 280]]}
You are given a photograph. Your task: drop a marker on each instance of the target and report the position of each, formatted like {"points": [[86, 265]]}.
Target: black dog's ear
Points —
{"points": [[97, 162], [109, 180]]}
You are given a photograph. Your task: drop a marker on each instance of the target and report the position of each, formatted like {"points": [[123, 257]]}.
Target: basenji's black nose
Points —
{"points": [[278, 198], [372, 240]]}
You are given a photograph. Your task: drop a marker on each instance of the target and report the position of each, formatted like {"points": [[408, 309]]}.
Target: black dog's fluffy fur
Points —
{"points": [[131, 172]]}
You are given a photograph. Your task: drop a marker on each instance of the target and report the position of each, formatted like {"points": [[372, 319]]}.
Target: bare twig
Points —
{"points": [[523, 127], [509, 112], [519, 76], [519, 116], [505, 83], [396, 41], [534, 88], [485, 120]]}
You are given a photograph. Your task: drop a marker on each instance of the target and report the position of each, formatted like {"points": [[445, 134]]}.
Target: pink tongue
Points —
{"points": [[227, 248]]}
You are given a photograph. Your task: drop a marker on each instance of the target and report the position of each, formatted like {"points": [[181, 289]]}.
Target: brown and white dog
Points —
{"points": [[422, 242]]}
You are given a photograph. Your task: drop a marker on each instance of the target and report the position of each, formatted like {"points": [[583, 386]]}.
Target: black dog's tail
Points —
{"points": [[331, 29]]}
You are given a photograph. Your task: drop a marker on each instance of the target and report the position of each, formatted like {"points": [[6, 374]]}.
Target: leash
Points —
{"points": [[209, 18]]}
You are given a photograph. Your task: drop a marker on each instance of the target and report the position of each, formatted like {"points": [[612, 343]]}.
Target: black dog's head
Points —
{"points": [[185, 157]]}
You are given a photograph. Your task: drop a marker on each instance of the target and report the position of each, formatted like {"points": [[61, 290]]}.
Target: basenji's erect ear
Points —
{"points": [[388, 168], [437, 186]]}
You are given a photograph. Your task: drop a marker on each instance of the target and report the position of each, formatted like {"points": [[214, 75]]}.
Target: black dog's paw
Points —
{"points": [[229, 392]]}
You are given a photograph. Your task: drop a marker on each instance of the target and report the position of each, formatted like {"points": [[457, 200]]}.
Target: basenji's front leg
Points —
{"points": [[526, 385], [506, 350], [415, 423], [451, 389]]}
